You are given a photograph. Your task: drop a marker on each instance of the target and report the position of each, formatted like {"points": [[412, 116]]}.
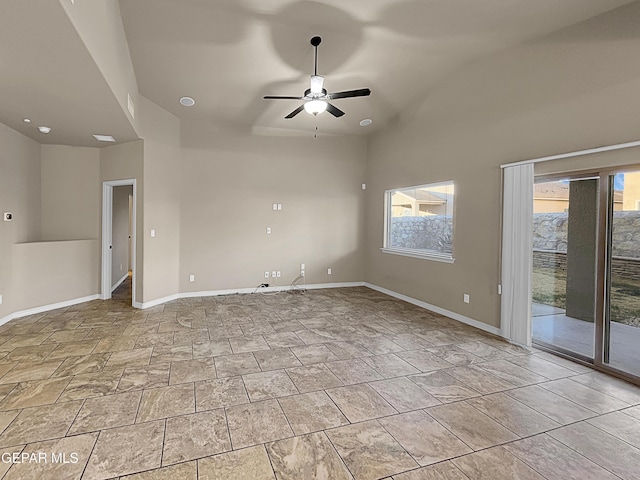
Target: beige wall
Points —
{"points": [[120, 233], [20, 195], [161, 133], [47, 273], [318, 182], [572, 90], [100, 27], [70, 192]]}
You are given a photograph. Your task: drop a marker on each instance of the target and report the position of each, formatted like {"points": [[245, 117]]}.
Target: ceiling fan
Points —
{"points": [[316, 97]]}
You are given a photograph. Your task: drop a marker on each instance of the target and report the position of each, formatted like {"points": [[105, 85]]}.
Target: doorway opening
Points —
{"points": [[119, 240]]}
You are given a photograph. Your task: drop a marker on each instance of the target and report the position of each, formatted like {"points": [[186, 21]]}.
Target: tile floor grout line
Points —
{"points": [[524, 405], [637, 447], [164, 436], [84, 400], [324, 432], [595, 414], [425, 410], [579, 404], [598, 391], [90, 454], [285, 417], [578, 453]]}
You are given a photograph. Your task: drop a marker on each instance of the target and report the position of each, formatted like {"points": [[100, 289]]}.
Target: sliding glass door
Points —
{"points": [[586, 268], [565, 235], [621, 329]]}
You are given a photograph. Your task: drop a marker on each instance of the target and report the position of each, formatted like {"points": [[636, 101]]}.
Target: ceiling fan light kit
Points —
{"points": [[316, 97], [315, 107]]}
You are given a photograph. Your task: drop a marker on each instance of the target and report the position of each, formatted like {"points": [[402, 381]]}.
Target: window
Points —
{"points": [[419, 221]]}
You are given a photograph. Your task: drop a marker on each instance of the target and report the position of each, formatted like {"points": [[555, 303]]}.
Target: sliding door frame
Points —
{"points": [[603, 267]]}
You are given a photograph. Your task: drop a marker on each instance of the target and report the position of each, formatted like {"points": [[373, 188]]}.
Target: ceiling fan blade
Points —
{"points": [[295, 112], [280, 97], [336, 112], [363, 92]]}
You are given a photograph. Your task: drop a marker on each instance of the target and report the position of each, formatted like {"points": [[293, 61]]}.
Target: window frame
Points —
{"points": [[412, 252]]}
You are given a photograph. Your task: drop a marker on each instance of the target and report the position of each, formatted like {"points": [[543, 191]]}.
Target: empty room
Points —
{"points": [[319, 240]]}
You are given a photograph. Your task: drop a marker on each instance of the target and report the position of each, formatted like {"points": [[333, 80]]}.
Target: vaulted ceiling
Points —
{"points": [[228, 54]]}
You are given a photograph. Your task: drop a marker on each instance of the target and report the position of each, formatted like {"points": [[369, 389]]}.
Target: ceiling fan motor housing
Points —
{"points": [[308, 94]]}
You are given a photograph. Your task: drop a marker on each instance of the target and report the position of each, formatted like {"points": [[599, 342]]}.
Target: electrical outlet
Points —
{"points": [[153, 233], [8, 216], [302, 273], [364, 186], [268, 230], [328, 271], [275, 206], [0, 299], [278, 274], [466, 298], [266, 274], [192, 278]]}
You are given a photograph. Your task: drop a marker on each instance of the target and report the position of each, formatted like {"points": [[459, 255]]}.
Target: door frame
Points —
{"points": [[603, 269], [107, 237]]}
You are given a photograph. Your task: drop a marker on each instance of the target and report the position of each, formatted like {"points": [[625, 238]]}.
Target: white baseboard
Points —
{"points": [[215, 293], [47, 308], [441, 311], [119, 282]]}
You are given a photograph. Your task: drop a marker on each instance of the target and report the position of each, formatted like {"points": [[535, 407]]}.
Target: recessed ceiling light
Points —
{"points": [[366, 122], [104, 138], [26, 120], [44, 129], [187, 102]]}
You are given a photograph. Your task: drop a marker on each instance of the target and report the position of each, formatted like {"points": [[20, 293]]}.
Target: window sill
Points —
{"points": [[423, 256]]}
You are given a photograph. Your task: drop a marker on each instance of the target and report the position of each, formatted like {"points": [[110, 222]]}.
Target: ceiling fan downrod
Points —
{"points": [[315, 41]]}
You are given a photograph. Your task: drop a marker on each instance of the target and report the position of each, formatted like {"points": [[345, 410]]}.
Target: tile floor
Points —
{"points": [[333, 384]]}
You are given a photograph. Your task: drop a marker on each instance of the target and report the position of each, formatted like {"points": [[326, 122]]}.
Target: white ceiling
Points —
{"points": [[228, 54]]}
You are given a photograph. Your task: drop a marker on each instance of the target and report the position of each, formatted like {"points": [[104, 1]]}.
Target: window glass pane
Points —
{"points": [[421, 219], [624, 283]]}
